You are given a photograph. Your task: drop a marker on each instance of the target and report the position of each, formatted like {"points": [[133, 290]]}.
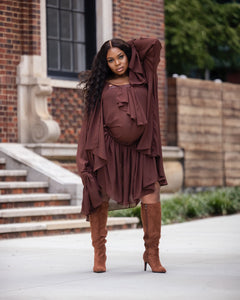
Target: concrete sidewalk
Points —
{"points": [[202, 260]]}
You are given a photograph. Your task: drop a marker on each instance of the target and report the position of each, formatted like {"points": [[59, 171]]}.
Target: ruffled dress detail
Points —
{"points": [[119, 149], [124, 108]]}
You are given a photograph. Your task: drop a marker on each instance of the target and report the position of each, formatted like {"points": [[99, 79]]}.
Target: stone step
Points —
{"points": [[13, 175], [22, 215], [33, 200], [60, 227], [2, 163], [19, 187]]}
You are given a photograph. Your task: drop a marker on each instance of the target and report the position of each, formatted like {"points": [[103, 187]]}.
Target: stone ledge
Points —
{"points": [[33, 197], [39, 211], [2, 161], [122, 220], [23, 184], [65, 84], [172, 153], [13, 173], [60, 225], [54, 150], [21, 227], [49, 150]]}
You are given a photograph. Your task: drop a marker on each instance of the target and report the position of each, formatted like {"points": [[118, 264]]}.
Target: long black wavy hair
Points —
{"points": [[94, 84]]}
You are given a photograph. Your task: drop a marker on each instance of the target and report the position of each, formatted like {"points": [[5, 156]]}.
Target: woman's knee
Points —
{"points": [[153, 197]]}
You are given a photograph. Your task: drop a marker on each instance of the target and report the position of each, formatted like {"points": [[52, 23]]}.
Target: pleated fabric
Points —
{"points": [[128, 175]]}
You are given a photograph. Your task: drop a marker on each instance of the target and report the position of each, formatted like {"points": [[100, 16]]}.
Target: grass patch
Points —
{"points": [[185, 207]]}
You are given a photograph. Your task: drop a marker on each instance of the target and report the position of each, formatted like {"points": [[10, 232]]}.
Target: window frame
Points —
{"points": [[89, 38]]}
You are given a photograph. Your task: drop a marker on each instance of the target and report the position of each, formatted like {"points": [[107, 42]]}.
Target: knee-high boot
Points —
{"points": [[98, 223], [151, 220]]}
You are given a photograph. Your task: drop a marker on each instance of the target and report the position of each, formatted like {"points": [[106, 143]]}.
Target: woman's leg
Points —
{"points": [[151, 220], [98, 223], [153, 197]]}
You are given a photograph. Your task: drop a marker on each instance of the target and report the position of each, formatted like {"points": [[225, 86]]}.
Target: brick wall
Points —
{"points": [[231, 133], [19, 34], [134, 19], [66, 107], [203, 119]]}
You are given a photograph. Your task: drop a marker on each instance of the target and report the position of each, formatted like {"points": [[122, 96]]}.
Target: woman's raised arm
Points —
{"points": [[148, 50]]}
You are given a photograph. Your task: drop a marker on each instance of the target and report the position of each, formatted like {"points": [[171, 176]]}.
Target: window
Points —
{"points": [[71, 36]]}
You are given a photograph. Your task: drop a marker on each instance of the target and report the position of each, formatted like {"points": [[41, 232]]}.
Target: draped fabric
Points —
{"points": [[124, 110], [124, 171]]}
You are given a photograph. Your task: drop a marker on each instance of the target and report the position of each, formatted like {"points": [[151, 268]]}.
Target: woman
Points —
{"points": [[119, 152]]}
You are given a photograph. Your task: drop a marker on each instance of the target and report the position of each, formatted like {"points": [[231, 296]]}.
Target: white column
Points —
{"points": [[104, 21]]}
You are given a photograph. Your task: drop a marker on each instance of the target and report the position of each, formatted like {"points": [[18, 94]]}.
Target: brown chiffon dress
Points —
{"points": [[119, 150]]}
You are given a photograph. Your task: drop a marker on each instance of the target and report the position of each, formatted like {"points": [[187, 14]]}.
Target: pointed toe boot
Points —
{"points": [[151, 220], [98, 223]]}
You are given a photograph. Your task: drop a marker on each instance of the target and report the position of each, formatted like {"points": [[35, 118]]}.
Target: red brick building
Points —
{"points": [[45, 44], [19, 35]]}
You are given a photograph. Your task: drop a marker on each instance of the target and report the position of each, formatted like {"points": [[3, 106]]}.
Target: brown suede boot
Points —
{"points": [[151, 220], [98, 222]]}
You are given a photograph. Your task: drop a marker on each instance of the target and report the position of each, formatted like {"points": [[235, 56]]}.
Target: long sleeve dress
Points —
{"points": [[119, 150]]}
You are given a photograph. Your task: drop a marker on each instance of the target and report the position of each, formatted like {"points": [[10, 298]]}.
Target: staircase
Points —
{"points": [[27, 209]]}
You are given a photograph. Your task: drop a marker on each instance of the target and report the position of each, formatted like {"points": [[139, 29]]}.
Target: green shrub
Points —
{"points": [[224, 201], [129, 212], [183, 207]]}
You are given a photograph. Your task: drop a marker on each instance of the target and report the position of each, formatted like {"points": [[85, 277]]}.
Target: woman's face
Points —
{"points": [[117, 61]]}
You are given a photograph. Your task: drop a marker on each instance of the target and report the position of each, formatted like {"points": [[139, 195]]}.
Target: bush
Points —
{"points": [[184, 207]]}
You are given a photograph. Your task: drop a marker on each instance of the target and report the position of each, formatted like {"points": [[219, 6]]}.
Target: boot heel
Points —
{"points": [[151, 219], [145, 266]]}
